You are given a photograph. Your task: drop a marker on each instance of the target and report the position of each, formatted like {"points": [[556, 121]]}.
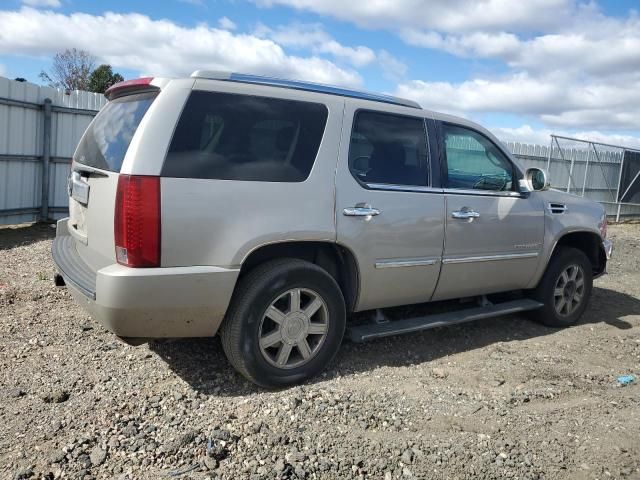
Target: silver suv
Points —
{"points": [[268, 211]]}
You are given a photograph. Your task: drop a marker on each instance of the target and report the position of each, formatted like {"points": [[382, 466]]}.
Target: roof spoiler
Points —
{"points": [[130, 86]]}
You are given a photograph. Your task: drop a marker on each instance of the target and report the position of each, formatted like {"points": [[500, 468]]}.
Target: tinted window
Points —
{"points": [[240, 137], [475, 162], [107, 139], [389, 149]]}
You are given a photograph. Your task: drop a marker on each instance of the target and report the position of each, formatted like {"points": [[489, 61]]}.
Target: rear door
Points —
{"points": [[94, 176], [387, 212], [494, 233]]}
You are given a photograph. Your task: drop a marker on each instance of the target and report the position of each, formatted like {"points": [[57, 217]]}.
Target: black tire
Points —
{"points": [[546, 293], [243, 324]]}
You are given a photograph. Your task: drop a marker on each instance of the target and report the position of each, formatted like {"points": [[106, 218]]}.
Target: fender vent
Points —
{"points": [[557, 208]]}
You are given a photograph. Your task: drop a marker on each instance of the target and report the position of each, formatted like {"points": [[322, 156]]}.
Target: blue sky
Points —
{"points": [[523, 69]]}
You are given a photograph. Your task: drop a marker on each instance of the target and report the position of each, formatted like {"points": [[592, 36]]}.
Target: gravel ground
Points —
{"points": [[503, 398]]}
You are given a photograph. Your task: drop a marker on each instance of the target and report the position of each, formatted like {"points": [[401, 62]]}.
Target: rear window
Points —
{"points": [[239, 137], [107, 139], [389, 149]]}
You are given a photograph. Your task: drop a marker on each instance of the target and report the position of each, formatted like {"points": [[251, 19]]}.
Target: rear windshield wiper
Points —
{"points": [[88, 171]]}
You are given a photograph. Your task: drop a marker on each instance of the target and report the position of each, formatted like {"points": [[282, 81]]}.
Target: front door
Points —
{"points": [[387, 214], [494, 233]]}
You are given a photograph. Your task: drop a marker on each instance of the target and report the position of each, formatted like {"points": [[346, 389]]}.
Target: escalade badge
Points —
{"points": [[527, 245]]}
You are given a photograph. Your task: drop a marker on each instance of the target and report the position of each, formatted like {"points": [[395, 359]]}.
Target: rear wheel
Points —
{"points": [[285, 323], [565, 288]]}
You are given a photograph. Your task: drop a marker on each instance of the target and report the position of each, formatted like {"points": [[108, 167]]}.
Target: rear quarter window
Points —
{"points": [[106, 140], [240, 137]]}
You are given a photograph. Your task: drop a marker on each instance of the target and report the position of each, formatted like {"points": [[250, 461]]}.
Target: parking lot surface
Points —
{"points": [[501, 398]]}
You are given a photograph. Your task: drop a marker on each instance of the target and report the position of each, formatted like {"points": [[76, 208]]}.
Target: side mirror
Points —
{"points": [[536, 180]]}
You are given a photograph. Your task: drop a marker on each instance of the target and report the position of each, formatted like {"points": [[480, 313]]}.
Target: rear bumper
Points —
{"points": [[146, 302]]}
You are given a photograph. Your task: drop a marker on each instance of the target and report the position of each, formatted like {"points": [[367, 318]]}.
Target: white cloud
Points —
{"points": [[159, 47], [480, 44], [392, 68], [226, 23], [602, 52], [558, 100], [568, 65], [42, 3], [514, 94], [444, 15], [313, 37], [590, 44]]}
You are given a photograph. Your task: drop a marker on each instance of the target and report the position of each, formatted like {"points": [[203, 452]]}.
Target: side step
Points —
{"points": [[362, 333]]}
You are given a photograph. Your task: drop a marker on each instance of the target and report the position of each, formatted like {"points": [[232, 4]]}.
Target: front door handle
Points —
{"points": [[465, 214], [361, 211]]}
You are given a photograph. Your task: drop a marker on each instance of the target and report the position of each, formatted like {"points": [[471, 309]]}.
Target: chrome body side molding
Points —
{"points": [[410, 262], [491, 258]]}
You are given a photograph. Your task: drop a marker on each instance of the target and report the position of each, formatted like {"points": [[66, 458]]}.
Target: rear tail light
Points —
{"points": [[137, 221]]}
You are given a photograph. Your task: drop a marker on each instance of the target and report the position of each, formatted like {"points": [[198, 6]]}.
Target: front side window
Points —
{"points": [[239, 137], [474, 162], [389, 149]]}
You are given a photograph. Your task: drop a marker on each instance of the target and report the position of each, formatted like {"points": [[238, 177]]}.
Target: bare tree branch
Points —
{"points": [[71, 70]]}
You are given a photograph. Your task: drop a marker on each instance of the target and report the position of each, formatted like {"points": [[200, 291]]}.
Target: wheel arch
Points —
{"points": [[338, 260], [590, 243]]}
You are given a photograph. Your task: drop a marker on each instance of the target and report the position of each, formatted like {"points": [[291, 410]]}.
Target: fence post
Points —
{"points": [[573, 159], [586, 170], [46, 158], [618, 189]]}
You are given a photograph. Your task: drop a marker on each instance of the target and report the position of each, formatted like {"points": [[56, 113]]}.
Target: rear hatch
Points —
{"points": [[95, 171]]}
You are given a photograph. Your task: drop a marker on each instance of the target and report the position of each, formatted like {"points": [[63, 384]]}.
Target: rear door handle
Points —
{"points": [[465, 214], [361, 211]]}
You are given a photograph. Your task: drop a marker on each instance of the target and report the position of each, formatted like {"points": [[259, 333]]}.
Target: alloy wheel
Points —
{"points": [[293, 328], [568, 292]]}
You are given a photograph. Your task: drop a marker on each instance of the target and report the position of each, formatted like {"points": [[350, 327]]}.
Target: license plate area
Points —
{"points": [[78, 188]]}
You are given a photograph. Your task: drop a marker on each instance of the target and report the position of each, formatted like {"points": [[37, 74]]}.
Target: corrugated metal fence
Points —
{"points": [[582, 168], [38, 136]]}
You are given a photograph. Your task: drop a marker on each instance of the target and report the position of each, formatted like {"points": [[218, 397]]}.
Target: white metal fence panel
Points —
{"points": [[580, 168], [22, 148]]}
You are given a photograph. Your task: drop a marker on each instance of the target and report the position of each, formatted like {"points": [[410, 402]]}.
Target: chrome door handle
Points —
{"points": [[365, 211], [465, 214]]}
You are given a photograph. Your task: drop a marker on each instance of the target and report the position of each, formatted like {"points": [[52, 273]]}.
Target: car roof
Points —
{"points": [[302, 85]]}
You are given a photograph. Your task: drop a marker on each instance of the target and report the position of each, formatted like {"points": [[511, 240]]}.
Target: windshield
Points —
{"points": [[107, 138]]}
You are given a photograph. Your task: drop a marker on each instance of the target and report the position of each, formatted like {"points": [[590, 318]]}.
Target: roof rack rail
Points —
{"points": [[300, 85]]}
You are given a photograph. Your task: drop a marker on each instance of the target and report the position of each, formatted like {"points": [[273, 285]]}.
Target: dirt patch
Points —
{"points": [[503, 398]]}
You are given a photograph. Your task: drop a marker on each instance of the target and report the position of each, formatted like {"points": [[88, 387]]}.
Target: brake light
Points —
{"points": [[137, 221], [121, 87]]}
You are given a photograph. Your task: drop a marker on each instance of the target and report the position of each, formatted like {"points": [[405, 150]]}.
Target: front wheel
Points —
{"points": [[565, 289], [285, 323]]}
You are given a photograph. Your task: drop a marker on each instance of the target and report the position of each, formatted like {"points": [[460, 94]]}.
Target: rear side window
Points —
{"points": [[107, 139], [389, 149], [239, 137]]}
